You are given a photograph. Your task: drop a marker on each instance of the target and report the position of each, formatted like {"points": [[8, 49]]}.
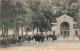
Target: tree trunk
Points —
{"points": [[26, 30], [22, 30], [37, 29], [26, 33], [6, 31], [17, 30], [33, 29], [41, 29], [46, 30], [2, 31]]}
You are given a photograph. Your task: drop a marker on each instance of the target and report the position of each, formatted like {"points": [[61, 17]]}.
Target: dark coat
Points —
{"points": [[38, 38]]}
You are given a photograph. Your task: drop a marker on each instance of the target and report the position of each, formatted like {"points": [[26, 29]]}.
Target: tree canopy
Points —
{"points": [[32, 14]]}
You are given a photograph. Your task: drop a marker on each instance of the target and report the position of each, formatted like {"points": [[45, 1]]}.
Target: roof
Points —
{"points": [[74, 22], [65, 16], [54, 24]]}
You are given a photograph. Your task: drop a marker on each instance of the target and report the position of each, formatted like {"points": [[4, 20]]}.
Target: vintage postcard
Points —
{"points": [[39, 25]]}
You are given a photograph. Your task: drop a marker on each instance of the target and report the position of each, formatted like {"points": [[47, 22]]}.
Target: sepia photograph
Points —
{"points": [[39, 25]]}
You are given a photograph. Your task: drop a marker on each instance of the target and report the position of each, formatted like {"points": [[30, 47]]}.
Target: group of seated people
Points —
{"points": [[6, 41]]}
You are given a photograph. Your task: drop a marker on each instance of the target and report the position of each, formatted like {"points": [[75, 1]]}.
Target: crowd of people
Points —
{"points": [[6, 41], [21, 38]]}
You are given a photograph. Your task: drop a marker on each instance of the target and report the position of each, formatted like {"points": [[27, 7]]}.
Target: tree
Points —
{"points": [[42, 16], [10, 15], [6, 15]]}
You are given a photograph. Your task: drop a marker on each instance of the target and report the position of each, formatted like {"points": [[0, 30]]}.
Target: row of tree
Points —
{"points": [[32, 14], [12, 16]]}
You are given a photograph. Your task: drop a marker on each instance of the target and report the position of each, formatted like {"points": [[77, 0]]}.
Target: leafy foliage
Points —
{"points": [[32, 14]]}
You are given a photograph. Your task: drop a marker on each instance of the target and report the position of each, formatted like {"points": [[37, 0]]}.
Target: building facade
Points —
{"points": [[65, 25]]}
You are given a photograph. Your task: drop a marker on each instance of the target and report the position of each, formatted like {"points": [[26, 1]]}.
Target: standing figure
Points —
{"points": [[37, 38], [47, 37], [42, 37], [29, 38], [20, 40], [79, 37]]}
